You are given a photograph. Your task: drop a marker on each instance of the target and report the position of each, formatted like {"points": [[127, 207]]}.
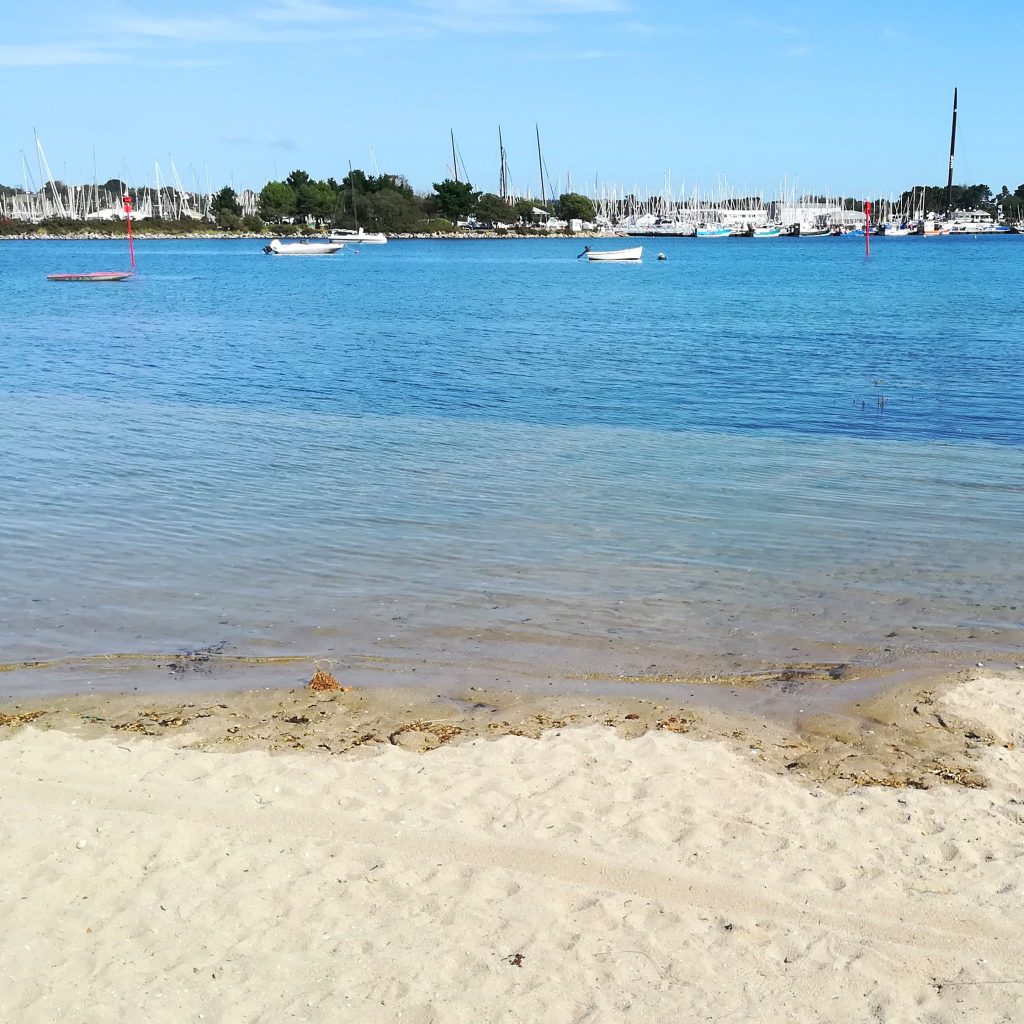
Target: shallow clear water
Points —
{"points": [[483, 460]]}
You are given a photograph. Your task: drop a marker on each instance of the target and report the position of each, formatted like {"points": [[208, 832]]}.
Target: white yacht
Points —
{"points": [[975, 222]]}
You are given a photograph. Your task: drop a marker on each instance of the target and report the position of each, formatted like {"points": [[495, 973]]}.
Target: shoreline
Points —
{"points": [[889, 737], [193, 236]]}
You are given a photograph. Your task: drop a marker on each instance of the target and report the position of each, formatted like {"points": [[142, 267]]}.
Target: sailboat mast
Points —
{"points": [[455, 162], [952, 150], [352, 187], [540, 163], [502, 184]]}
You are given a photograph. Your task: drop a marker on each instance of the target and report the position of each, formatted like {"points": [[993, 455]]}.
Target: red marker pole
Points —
{"points": [[128, 213], [867, 227]]}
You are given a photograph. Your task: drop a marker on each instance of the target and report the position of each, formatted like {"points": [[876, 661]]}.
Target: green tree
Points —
{"points": [[493, 210], [226, 201], [277, 201], [227, 220], [455, 199], [297, 179], [523, 210], [573, 206], [315, 199], [389, 210]]}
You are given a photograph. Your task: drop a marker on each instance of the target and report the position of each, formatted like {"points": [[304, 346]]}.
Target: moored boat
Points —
{"points": [[94, 276], [975, 222], [302, 248], [774, 232], [613, 255], [358, 236], [714, 231]]}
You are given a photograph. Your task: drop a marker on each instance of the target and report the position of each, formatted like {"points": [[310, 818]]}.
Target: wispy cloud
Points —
{"points": [[114, 35], [637, 28], [477, 17], [575, 55], [52, 54], [515, 8], [314, 11], [202, 30]]}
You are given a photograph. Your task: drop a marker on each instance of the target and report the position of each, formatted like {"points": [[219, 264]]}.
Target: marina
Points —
{"points": [[603, 208]]}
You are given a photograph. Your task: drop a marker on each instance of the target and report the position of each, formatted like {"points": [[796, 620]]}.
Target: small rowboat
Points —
{"points": [[279, 248], [94, 275], [613, 255]]}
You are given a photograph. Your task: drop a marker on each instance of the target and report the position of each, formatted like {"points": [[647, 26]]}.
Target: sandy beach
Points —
{"points": [[289, 855]]}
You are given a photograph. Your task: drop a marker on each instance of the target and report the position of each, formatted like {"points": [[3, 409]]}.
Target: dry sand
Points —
{"points": [[671, 866]]}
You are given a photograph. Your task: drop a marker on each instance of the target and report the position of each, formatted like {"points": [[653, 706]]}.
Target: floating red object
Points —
{"points": [[97, 276]]}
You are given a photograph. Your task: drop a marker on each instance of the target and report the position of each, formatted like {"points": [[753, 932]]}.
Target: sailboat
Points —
{"points": [[964, 222], [357, 236]]}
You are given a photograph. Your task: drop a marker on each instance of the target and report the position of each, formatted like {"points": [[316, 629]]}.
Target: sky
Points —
{"points": [[851, 99]]}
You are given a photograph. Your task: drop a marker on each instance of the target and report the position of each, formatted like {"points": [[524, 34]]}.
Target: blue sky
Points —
{"points": [[851, 98]]}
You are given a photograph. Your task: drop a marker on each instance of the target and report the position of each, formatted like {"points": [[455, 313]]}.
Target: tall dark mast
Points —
{"points": [[502, 173], [455, 162], [540, 161], [952, 149]]}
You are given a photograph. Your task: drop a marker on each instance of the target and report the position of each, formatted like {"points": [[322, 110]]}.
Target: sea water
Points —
{"points": [[485, 461]]}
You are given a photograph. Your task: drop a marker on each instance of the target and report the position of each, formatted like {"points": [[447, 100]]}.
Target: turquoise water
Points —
{"points": [[482, 460]]}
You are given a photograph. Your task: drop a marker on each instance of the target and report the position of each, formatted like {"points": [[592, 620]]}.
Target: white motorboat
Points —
{"points": [[613, 255], [302, 248], [358, 236], [714, 231], [775, 232]]}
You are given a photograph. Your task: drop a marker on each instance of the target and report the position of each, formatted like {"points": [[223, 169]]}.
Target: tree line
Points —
{"points": [[939, 198], [387, 202], [382, 202]]}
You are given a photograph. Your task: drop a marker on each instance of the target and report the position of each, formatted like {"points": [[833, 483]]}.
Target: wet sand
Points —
{"points": [[838, 733]]}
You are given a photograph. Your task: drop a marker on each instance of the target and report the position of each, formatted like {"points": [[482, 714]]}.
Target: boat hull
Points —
{"points": [[93, 277], [359, 238], [277, 248], [616, 255]]}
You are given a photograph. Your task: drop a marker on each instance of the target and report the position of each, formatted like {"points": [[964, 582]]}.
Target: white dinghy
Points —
{"points": [[633, 255], [302, 248]]}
